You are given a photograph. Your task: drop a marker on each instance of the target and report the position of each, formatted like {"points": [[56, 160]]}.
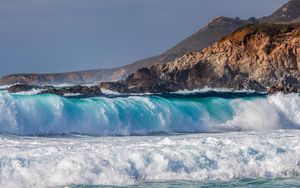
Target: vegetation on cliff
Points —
{"points": [[205, 37], [260, 57]]}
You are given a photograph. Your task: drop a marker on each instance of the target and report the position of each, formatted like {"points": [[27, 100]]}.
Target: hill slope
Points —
{"points": [[205, 37], [260, 57], [287, 13]]}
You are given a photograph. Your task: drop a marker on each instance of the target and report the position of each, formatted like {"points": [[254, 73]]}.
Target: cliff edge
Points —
{"points": [[260, 57]]}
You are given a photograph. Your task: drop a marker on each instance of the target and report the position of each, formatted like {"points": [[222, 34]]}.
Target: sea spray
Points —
{"points": [[81, 160]]}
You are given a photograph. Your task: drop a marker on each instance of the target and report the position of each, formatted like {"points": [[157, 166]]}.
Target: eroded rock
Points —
{"points": [[82, 90]]}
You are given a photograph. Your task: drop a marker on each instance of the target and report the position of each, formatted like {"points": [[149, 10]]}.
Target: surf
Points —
{"points": [[146, 115], [195, 159]]}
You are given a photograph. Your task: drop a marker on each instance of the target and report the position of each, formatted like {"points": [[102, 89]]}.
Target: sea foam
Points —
{"points": [[48, 162]]}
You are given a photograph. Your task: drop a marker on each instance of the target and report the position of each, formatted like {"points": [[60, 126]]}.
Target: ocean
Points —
{"points": [[202, 139]]}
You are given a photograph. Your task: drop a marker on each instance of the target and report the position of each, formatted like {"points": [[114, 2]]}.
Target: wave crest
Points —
{"points": [[49, 162], [142, 115]]}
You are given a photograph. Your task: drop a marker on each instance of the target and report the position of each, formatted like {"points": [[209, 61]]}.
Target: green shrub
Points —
{"points": [[285, 30], [267, 28]]}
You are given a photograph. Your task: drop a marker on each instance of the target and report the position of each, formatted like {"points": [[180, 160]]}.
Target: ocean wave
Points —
{"points": [[49, 162], [143, 115]]}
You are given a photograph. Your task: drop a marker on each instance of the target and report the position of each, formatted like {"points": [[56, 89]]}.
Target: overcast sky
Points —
{"points": [[38, 36]]}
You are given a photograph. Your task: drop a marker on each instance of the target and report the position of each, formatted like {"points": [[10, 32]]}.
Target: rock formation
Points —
{"points": [[260, 57], [82, 90], [218, 28]]}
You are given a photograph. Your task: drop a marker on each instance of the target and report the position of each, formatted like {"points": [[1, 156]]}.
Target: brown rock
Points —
{"points": [[238, 61]]}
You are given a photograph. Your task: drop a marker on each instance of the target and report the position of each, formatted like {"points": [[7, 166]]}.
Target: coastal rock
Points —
{"points": [[19, 88], [205, 37], [24, 87], [255, 57], [82, 90]]}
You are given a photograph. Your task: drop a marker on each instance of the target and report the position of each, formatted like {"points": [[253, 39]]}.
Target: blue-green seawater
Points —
{"points": [[145, 115], [211, 139]]}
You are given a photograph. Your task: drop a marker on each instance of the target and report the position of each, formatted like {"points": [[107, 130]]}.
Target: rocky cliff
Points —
{"points": [[260, 57], [205, 37]]}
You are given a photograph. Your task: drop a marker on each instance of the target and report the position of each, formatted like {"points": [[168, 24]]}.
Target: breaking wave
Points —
{"points": [[49, 162], [143, 115]]}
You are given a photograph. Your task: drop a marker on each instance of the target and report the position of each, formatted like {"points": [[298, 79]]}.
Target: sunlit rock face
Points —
{"points": [[260, 57]]}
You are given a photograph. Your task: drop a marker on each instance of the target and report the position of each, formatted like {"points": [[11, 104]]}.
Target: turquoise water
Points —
{"points": [[144, 115], [177, 140]]}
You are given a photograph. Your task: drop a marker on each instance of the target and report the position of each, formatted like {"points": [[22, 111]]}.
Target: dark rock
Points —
{"points": [[52, 91], [120, 87], [21, 87], [82, 90], [275, 89]]}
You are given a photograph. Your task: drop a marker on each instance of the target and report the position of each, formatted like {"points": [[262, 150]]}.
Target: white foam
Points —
{"points": [[208, 89], [288, 105], [8, 114], [72, 94], [254, 115], [47, 162], [30, 92], [279, 111], [109, 92], [60, 85], [5, 87]]}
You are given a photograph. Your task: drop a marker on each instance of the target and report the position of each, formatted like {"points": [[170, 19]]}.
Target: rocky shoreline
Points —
{"points": [[258, 57], [205, 37], [81, 90]]}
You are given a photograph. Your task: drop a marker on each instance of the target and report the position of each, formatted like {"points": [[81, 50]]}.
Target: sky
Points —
{"points": [[43, 36]]}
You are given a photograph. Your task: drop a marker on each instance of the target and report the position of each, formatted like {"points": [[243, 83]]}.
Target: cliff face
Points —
{"points": [[218, 28], [205, 37], [257, 57]]}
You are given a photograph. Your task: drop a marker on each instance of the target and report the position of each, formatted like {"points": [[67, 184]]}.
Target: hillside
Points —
{"points": [[260, 57], [211, 33], [205, 37], [287, 13]]}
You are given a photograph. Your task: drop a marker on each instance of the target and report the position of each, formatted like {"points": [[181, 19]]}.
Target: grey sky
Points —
{"points": [[38, 36]]}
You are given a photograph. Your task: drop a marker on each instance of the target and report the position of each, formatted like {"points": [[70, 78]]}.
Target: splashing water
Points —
{"points": [[223, 157], [237, 141]]}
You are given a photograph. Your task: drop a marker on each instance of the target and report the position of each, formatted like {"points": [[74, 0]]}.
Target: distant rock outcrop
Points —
{"points": [[260, 57], [73, 90], [290, 12]]}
